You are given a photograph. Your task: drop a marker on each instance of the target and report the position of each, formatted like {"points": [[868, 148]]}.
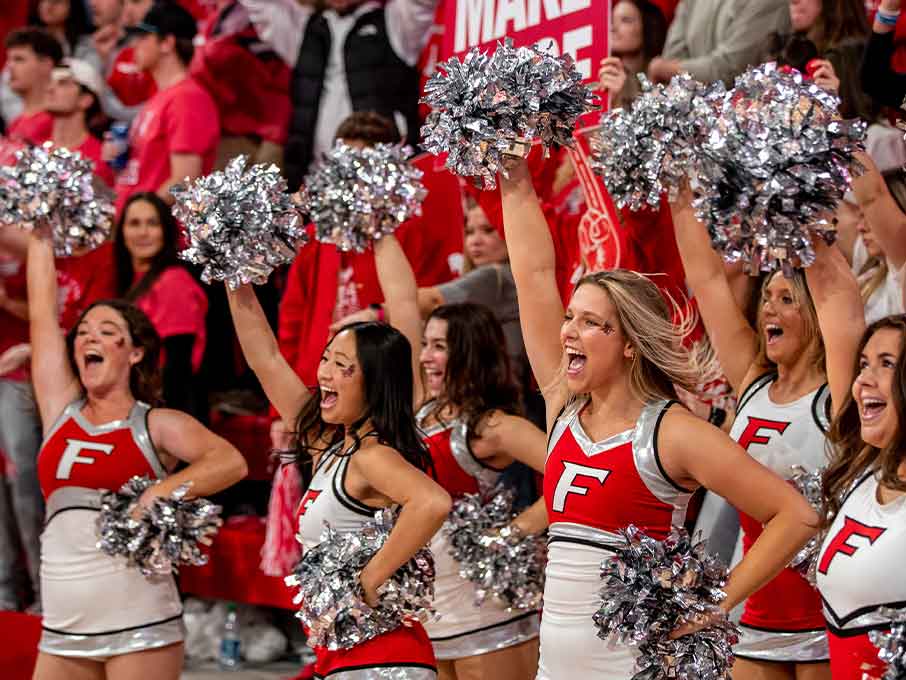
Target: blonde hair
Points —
{"points": [[803, 298], [877, 266], [661, 361]]}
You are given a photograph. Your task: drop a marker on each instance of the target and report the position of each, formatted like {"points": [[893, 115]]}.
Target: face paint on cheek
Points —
{"points": [[348, 371], [120, 342], [607, 329]]}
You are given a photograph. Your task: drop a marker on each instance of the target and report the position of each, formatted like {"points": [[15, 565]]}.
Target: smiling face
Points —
{"points": [[340, 381], [781, 322], [626, 29], [103, 350], [142, 233], [596, 348], [873, 389], [434, 356]]}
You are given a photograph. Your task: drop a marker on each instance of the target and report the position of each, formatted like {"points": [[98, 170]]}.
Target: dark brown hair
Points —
{"points": [[369, 127], [39, 40], [851, 457], [122, 260], [654, 29], [144, 377], [478, 378], [839, 20]]}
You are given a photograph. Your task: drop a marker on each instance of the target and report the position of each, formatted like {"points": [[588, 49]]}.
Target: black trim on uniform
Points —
{"points": [[780, 630], [855, 486], [550, 435], [856, 632], [798, 662], [119, 630], [526, 615], [71, 507], [151, 441], [477, 459], [827, 407], [657, 456], [347, 501], [580, 541], [753, 388], [401, 664]]}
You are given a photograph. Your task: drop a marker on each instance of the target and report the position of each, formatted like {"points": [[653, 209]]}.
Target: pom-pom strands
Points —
{"points": [[650, 588], [892, 644], [647, 150], [505, 567], [809, 485], [356, 196], [54, 191], [168, 534], [485, 105], [332, 605], [774, 168], [241, 223]]}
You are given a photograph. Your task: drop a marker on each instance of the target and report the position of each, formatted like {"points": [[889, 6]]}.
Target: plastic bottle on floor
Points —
{"points": [[229, 658]]}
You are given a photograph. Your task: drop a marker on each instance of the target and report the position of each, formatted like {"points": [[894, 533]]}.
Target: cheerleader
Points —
{"points": [[97, 391], [357, 432], [621, 450], [860, 564], [471, 428], [787, 371]]}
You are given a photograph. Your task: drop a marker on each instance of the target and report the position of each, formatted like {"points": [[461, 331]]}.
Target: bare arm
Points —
{"points": [[425, 506], [283, 387], [699, 453], [183, 166], [532, 520], [841, 316], [14, 241], [734, 340], [214, 463], [881, 212], [55, 383], [533, 263], [281, 24], [504, 438], [401, 299]]}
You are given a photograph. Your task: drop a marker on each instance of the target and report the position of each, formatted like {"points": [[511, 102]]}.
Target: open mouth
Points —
{"points": [[328, 398], [575, 362], [773, 332], [93, 358], [871, 409]]}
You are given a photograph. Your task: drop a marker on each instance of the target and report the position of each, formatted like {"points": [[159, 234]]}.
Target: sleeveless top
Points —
{"points": [[860, 571], [779, 436]]}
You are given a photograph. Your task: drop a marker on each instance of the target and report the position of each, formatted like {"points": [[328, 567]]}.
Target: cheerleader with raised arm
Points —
{"points": [[469, 417], [788, 370], [98, 390], [621, 450]]}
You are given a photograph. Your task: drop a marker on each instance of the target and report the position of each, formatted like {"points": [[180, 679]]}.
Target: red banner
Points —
{"points": [[576, 27]]}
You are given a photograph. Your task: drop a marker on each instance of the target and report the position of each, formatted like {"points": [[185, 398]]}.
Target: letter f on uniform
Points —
{"points": [[71, 455], [565, 484]]}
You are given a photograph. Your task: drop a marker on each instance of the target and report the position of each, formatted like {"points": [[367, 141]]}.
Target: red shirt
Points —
{"points": [[91, 149], [179, 119], [13, 330], [33, 128], [82, 280], [131, 86]]}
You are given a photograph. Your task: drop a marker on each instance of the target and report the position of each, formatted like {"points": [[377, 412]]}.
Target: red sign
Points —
{"points": [[576, 27]]}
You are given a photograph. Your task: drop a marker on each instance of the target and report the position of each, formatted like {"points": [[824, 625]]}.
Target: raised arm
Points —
{"points": [[841, 316], [281, 24], [401, 300], [881, 212], [283, 387], [55, 382], [734, 340], [533, 263]]}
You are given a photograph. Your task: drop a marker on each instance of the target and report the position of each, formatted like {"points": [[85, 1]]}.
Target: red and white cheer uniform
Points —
{"points": [[592, 490], [401, 654], [94, 605], [859, 572], [782, 622], [462, 629]]}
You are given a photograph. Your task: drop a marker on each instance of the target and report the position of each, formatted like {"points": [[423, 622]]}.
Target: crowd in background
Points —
{"points": [[153, 93]]}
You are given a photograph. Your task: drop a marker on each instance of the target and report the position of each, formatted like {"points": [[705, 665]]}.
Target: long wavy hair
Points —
{"points": [[145, 376], [851, 457], [479, 377], [126, 287], [389, 392], [654, 328]]}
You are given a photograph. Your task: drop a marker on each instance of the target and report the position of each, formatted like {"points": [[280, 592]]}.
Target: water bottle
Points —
{"points": [[229, 642], [118, 134]]}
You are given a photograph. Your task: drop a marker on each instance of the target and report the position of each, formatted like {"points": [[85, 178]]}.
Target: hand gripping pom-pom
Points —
{"points": [[504, 567], [484, 106], [774, 166], [652, 587], [55, 192], [168, 534], [241, 223], [809, 485], [647, 150], [356, 196], [891, 644], [330, 597]]}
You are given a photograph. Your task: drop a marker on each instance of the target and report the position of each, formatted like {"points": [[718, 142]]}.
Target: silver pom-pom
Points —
{"points": [[485, 105], [891, 644], [809, 485], [170, 533], [647, 150], [54, 191], [355, 196], [650, 588], [774, 167], [332, 605], [241, 223], [504, 566]]}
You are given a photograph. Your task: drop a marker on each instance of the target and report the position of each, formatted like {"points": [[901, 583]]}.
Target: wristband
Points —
{"points": [[379, 310], [887, 18]]}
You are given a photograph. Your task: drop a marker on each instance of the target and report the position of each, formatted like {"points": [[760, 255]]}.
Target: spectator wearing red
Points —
{"points": [[150, 275], [176, 133], [32, 53]]}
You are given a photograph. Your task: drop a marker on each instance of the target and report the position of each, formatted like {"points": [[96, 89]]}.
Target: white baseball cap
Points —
{"points": [[82, 72]]}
